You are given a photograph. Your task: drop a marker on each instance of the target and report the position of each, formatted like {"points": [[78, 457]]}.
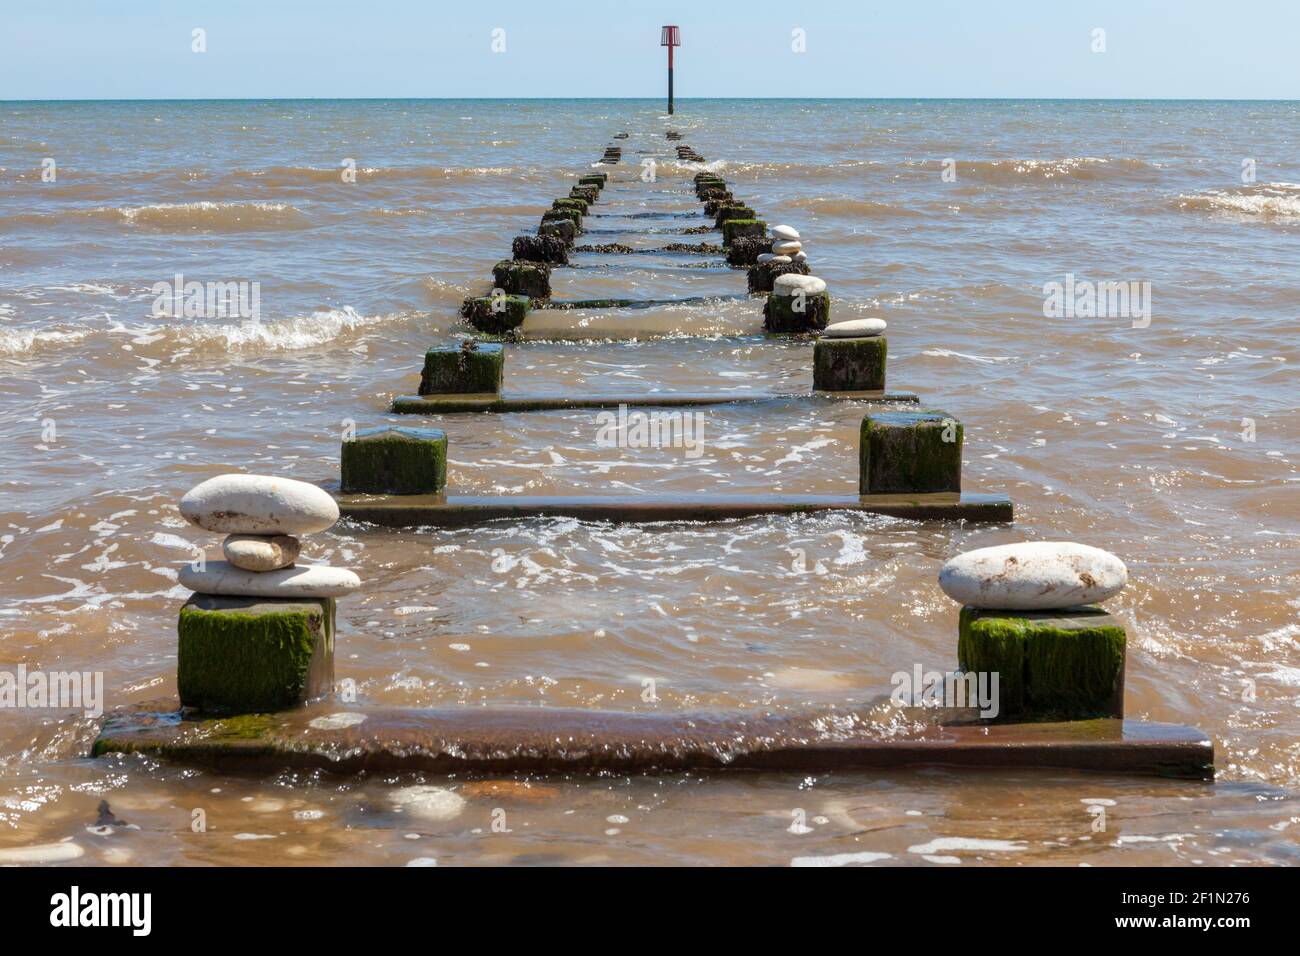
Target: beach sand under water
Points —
{"points": [[1173, 444]]}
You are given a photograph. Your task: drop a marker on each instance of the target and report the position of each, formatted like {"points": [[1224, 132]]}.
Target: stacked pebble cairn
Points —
{"points": [[783, 255], [797, 300], [258, 634], [524, 280], [1029, 614]]}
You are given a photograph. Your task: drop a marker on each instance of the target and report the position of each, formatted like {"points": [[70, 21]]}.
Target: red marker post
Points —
{"points": [[670, 37]]}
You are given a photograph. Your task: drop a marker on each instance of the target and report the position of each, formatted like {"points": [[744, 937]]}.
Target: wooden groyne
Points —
{"points": [[1064, 666]]}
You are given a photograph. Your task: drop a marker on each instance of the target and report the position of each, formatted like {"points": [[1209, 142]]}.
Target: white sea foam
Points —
{"points": [[24, 341], [982, 359], [969, 844], [841, 859], [1261, 201], [211, 215]]}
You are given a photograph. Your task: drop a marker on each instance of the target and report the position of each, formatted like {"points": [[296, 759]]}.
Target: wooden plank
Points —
{"points": [[639, 303], [409, 511], [563, 741], [488, 402]]}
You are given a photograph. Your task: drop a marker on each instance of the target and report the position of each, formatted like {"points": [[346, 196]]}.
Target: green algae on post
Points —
{"points": [[496, 314], [560, 227], [726, 213], [394, 460], [517, 277], [1052, 665], [903, 451], [805, 312], [579, 204], [734, 229], [247, 655], [471, 368], [849, 365], [573, 216]]}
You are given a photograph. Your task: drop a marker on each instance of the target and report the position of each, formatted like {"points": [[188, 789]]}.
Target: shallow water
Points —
{"points": [[1127, 438]]}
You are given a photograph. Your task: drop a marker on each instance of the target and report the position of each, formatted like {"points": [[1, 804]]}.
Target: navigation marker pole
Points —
{"points": [[670, 37]]}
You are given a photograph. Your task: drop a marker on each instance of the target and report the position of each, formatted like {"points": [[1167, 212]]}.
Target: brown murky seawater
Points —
{"points": [[1171, 443]]}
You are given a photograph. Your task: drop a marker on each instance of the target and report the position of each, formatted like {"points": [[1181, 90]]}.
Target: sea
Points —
{"points": [[1106, 294]]}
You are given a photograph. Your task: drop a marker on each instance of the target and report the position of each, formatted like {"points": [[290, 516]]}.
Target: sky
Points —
{"points": [[143, 49]]}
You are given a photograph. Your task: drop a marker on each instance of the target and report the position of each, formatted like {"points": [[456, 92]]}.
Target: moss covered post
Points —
{"points": [[519, 277], [496, 314], [808, 312], [1051, 665], [473, 368], [849, 365], [243, 655], [394, 460], [910, 453]]}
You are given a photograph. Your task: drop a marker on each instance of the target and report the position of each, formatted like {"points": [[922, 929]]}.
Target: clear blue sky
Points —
{"points": [[75, 49]]}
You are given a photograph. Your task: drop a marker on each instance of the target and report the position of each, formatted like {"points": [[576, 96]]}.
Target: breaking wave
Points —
{"points": [[834, 172], [1261, 201], [291, 175], [168, 342], [217, 216], [15, 342], [1071, 168]]}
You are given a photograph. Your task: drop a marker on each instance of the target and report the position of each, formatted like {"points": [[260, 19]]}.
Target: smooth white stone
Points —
{"points": [[428, 802], [340, 721], [780, 260], [792, 283], [303, 581], [258, 504], [261, 552], [800, 256], [786, 248], [855, 329], [1033, 576], [785, 233], [42, 853], [765, 257]]}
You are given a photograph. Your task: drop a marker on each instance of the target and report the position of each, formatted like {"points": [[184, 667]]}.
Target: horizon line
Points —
{"points": [[362, 99]]}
